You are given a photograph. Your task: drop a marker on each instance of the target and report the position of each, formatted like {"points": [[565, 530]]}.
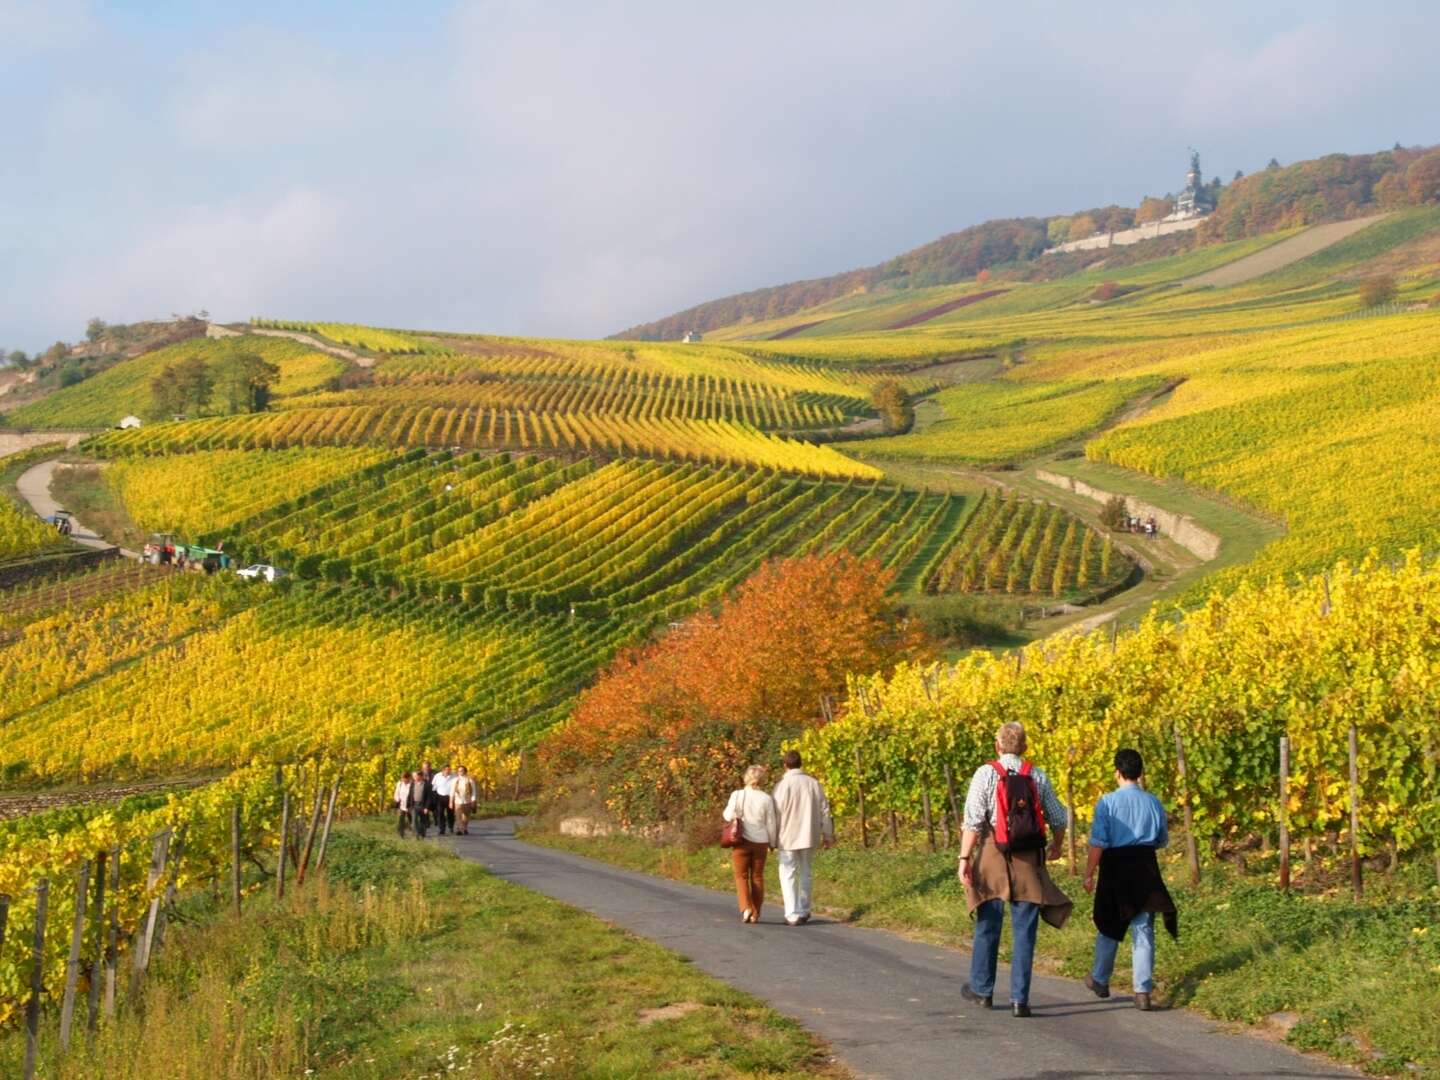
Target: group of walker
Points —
{"points": [[1012, 823]]}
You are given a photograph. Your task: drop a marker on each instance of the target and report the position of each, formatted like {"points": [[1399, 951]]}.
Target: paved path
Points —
{"points": [[890, 1007], [34, 487]]}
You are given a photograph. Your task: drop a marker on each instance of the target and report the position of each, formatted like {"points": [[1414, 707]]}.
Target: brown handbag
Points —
{"points": [[731, 834]]}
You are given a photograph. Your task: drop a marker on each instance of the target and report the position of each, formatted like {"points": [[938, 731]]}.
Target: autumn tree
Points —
{"points": [[182, 387], [1422, 179], [893, 405], [245, 380], [1081, 226], [1153, 209], [668, 728], [1377, 290]]}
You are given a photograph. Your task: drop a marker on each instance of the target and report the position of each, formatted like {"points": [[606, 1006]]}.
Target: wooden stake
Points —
{"points": [[1285, 813], [329, 817], [235, 856], [954, 802], [173, 854], [112, 941], [519, 770], [72, 962], [1357, 881], [284, 843], [310, 836], [4, 917], [37, 980], [1192, 849], [1074, 820], [929, 821], [145, 932], [97, 921], [860, 799]]}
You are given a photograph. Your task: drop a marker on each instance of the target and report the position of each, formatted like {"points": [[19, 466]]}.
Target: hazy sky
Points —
{"points": [[570, 169]]}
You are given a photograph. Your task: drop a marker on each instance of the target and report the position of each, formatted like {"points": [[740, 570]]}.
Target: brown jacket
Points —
{"points": [[1021, 877]]}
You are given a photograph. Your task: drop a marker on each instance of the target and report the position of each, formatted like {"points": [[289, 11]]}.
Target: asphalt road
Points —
{"points": [[34, 487], [889, 1007]]}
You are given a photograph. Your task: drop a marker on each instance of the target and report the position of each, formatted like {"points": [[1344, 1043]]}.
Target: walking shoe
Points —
{"points": [[793, 922], [804, 919], [1100, 990], [1019, 1009], [979, 999], [1142, 1002]]}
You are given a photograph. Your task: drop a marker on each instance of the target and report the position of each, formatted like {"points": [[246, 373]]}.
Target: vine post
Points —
{"points": [[860, 797], [1285, 813], [72, 962], [145, 932], [97, 922], [1192, 847], [4, 916], [1357, 881], [284, 836], [37, 979], [329, 820], [929, 819], [1070, 809], [954, 802], [519, 772], [112, 939], [235, 856]]}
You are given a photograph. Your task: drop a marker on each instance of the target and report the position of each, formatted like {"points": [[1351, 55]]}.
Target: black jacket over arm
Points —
{"points": [[1130, 883]]}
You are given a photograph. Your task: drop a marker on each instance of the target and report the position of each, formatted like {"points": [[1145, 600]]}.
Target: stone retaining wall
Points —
{"points": [[1181, 528]]}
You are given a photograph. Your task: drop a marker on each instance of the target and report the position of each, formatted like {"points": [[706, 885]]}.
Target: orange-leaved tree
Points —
{"points": [[667, 729]]}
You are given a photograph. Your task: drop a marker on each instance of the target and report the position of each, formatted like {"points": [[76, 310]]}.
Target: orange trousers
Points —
{"points": [[749, 862]]}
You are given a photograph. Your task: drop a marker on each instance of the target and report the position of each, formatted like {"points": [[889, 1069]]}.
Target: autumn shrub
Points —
{"points": [[1105, 291], [1377, 291], [665, 732]]}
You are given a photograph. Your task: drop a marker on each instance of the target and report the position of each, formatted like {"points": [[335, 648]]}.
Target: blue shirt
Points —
{"points": [[1128, 817]]}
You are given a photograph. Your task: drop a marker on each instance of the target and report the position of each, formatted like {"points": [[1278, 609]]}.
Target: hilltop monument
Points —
{"points": [[1191, 201]]}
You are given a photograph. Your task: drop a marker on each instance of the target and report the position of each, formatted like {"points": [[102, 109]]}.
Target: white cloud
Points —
{"points": [[42, 25]]}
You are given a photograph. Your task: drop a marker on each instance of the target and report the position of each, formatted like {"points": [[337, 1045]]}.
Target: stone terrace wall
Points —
{"points": [[1181, 528]]}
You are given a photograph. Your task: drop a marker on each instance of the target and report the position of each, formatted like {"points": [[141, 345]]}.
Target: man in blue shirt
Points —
{"points": [[1129, 828]]}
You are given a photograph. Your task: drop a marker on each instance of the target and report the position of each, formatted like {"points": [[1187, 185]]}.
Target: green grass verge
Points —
{"points": [[403, 960], [1359, 976], [85, 494]]}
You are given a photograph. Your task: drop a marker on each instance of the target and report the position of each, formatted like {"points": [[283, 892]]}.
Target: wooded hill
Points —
{"points": [[1329, 188]]}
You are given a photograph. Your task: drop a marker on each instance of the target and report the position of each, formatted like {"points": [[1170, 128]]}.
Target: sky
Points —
{"points": [[567, 169]]}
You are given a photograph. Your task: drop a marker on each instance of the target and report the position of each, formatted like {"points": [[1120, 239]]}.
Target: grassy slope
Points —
{"points": [[404, 960], [103, 400], [1361, 975]]}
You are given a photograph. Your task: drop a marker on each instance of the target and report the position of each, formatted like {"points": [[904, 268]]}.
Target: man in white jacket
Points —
{"points": [[805, 824]]}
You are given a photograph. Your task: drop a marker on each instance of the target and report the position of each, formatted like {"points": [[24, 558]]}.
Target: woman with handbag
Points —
{"points": [[401, 802], [752, 829]]}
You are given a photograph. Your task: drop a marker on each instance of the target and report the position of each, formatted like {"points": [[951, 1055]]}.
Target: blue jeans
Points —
{"points": [[1024, 921], [1142, 954]]}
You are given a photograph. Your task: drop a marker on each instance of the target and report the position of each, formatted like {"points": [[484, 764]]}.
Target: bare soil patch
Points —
{"points": [[791, 331], [1281, 255], [945, 309]]}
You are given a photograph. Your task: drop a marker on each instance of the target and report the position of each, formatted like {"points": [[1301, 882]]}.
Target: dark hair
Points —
{"points": [[791, 759], [1128, 763]]}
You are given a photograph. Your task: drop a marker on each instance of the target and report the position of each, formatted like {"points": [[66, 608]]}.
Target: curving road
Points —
{"points": [[34, 487], [890, 1007]]}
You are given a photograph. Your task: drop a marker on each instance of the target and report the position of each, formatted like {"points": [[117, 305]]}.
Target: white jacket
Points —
{"points": [[756, 812], [804, 812], [402, 793]]}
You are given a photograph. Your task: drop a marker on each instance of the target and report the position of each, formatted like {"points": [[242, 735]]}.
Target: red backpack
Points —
{"points": [[1019, 817]]}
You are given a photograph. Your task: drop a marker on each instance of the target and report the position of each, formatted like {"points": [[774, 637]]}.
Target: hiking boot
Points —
{"points": [[1100, 990], [1019, 1009], [979, 999], [1142, 1002]]}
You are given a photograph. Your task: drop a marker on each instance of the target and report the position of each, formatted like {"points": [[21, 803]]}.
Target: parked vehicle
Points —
{"points": [[261, 572], [61, 520]]}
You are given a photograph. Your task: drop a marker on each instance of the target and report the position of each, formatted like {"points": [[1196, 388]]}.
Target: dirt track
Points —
{"points": [[1278, 256]]}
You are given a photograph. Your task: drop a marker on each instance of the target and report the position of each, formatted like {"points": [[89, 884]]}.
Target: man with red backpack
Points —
{"points": [[1011, 812]]}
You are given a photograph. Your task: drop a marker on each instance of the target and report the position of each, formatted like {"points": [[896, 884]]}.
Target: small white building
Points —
{"points": [[691, 336], [129, 422]]}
